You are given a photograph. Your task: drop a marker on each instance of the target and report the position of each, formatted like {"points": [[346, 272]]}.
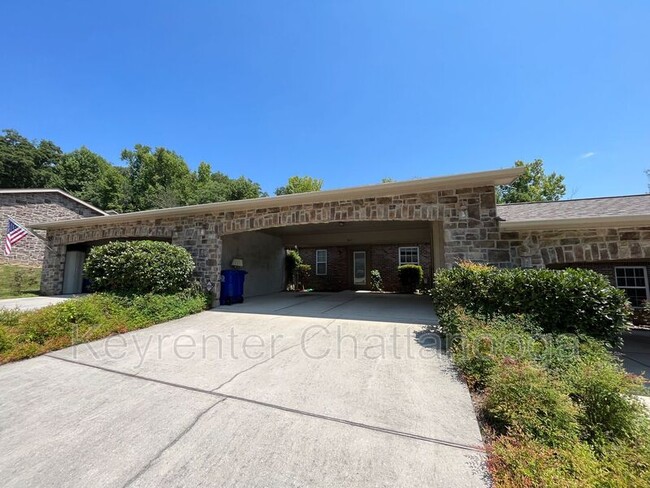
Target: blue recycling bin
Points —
{"points": [[232, 286]]}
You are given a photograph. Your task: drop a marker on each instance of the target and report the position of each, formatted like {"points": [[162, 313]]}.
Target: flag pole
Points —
{"points": [[30, 232]]}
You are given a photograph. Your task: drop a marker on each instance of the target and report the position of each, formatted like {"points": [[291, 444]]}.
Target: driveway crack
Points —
{"points": [[246, 370], [146, 467]]}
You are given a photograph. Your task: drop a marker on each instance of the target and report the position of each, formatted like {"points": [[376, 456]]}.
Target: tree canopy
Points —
{"points": [[300, 184], [533, 186], [151, 177], [25, 163]]}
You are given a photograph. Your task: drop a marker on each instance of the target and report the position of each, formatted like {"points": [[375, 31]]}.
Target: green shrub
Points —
{"points": [[291, 262], [559, 410], [5, 339], [9, 317], [410, 277], [517, 462], [478, 347], [376, 283], [603, 392], [27, 334], [522, 399], [303, 272], [139, 267], [573, 300]]}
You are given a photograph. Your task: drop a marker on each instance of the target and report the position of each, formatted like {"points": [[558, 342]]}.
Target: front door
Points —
{"points": [[359, 267]]}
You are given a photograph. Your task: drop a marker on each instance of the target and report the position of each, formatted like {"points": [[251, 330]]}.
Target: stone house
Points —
{"points": [[345, 233], [29, 206]]}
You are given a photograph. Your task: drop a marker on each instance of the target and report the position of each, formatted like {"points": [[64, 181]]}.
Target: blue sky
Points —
{"points": [[348, 91]]}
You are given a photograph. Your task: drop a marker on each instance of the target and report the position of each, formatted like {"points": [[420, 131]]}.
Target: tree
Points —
{"points": [[109, 190], [533, 186], [219, 187], [157, 178], [90, 177], [25, 163], [77, 169], [300, 184]]}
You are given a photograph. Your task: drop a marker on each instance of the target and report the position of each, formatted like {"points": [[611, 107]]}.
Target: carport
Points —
{"points": [[341, 254], [441, 219]]}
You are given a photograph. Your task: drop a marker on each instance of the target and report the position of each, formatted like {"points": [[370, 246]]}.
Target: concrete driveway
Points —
{"points": [[311, 390], [33, 303]]}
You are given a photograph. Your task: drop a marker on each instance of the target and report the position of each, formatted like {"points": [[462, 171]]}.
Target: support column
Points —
{"points": [[53, 265], [199, 236]]}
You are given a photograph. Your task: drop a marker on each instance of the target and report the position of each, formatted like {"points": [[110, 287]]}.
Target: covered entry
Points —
{"points": [[341, 254]]}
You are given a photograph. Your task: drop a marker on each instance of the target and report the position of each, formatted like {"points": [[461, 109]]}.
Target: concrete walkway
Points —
{"points": [[315, 390], [32, 303]]}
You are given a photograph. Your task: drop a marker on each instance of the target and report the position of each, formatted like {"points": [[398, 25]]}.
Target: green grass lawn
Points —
{"points": [[19, 281]]}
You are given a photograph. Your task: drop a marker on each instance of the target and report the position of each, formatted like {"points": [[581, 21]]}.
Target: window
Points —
{"points": [[409, 255], [321, 262], [634, 280]]}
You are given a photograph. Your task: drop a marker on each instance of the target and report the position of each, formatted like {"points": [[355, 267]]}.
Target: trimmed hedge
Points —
{"points": [[410, 277], [572, 300], [139, 267]]}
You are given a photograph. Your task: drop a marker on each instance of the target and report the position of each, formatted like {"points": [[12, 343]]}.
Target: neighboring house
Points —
{"points": [[610, 235], [344, 234], [30, 206]]}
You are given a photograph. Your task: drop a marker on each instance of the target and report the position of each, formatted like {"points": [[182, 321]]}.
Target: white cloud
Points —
{"points": [[587, 155]]}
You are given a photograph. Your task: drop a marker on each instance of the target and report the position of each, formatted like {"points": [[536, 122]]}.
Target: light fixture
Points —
{"points": [[237, 263], [462, 213]]}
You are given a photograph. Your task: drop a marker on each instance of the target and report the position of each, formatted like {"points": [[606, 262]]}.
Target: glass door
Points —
{"points": [[359, 267]]}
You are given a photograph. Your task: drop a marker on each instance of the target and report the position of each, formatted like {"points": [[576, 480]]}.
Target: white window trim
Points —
{"points": [[318, 251], [645, 278], [399, 254]]}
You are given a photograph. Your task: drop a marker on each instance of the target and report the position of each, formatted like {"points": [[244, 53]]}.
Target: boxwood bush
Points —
{"points": [[410, 277], [578, 301], [139, 267]]}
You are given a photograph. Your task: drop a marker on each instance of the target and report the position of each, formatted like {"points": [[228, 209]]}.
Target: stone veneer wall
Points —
{"points": [[197, 234], [538, 248], [468, 216], [30, 208]]}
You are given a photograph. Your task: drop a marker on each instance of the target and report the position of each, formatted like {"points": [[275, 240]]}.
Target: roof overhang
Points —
{"points": [[577, 223], [466, 180]]}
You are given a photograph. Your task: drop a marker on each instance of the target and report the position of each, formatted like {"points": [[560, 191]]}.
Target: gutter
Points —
{"points": [[577, 223]]}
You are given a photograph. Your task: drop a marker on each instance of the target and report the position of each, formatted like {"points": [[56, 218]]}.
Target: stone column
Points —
{"points": [[199, 235], [53, 264]]}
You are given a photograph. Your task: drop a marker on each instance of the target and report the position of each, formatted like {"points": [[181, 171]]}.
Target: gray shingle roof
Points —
{"points": [[581, 208]]}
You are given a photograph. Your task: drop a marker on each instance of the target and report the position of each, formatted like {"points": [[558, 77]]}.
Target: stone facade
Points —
{"points": [[465, 219], [195, 233], [468, 218], [539, 248], [30, 208]]}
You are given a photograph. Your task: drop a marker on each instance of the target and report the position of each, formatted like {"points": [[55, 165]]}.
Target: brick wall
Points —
{"points": [[384, 258], [31, 208], [338, 269]]}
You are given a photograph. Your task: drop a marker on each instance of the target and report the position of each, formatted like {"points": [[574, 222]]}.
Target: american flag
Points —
{"points": [[14, 233]]}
